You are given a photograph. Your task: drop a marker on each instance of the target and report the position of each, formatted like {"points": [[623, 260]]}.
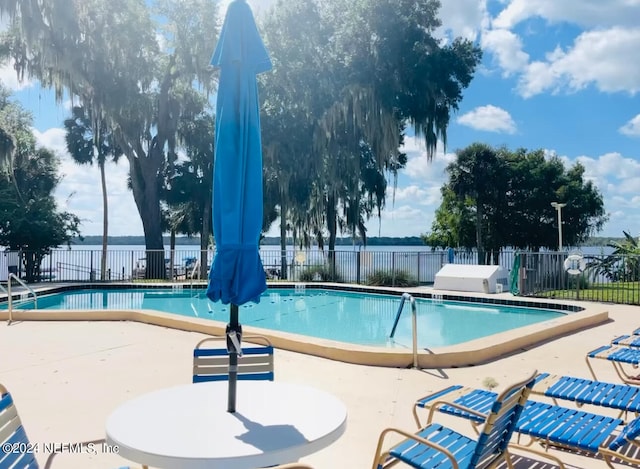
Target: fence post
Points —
{"points": [[522, 274], [393, 268], [358, 267]]}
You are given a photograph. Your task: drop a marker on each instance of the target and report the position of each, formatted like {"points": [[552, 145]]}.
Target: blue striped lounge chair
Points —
{"points": [[622, 397], [617, 355], [439, 446], [16, 451], [627, 340], [547, 424], [212, 364]]}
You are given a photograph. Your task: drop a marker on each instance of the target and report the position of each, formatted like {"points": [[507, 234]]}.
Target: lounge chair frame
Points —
{"points": [[12, 431], [446, 397], [489, 450], [616, 355], [622, 397]]}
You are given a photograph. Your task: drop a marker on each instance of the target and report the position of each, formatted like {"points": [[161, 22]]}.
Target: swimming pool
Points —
{"points": [[352, 317]]}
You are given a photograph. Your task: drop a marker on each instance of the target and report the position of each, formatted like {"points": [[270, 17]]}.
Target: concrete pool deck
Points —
{"points": [[68, 376], [468, 353]]}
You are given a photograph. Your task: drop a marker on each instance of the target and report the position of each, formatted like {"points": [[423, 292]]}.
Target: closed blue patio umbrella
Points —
{"points": [[237, 275]]}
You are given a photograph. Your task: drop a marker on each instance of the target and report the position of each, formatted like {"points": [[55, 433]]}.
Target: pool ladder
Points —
{"points": [[28, 289], [414, 324]]}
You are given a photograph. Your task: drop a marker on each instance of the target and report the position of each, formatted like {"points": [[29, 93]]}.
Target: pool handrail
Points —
{"points": [[10, 296], [414, 324]]}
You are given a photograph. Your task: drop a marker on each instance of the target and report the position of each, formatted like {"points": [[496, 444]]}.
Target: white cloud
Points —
{"points": [[586, 13], [420, 167], [507, 50], [609, 59], [631, 128], [79, 191], [618, 179], [418, 193], [415, 194], [489, 118], [9, 78], [464, 18]]}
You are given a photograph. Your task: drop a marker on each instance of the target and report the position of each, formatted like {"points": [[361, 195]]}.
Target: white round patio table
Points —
{"points": [[188, 427]]}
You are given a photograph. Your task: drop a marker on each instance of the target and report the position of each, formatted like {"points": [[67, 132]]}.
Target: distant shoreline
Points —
{"points": [[267, 241], [275, 241]]}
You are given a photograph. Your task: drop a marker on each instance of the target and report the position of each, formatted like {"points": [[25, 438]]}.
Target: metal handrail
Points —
{"points": [[10, 299], [414, 324]]}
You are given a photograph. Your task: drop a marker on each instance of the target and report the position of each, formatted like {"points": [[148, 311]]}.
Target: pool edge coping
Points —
{"points": [[468, 353]]}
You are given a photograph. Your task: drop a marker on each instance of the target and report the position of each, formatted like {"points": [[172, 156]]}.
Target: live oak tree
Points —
{"points": [[134, 64], [291, 102], [391, 72], [349, 76]]}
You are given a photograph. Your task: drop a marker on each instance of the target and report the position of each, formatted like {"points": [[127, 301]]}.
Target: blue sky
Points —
{"points": [[563, 76]]}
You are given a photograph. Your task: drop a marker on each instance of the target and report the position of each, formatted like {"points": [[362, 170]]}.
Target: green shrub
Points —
{"points": [[319, 273], [391, 278]]}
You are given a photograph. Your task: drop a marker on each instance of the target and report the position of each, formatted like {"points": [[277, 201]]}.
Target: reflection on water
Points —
{"points": [[344, 316]]}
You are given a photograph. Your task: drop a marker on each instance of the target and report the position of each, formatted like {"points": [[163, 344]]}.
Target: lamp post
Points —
{"points": [[558, 206]]}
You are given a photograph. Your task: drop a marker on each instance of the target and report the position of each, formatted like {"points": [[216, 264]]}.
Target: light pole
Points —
{"points": [[558, 206]]}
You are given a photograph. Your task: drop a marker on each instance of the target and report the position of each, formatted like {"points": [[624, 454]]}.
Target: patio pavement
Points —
{"points": [[66, 378]]}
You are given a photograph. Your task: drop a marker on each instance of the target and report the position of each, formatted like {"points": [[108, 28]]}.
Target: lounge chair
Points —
{"points": [[622, 397], [546, 423], [626, 340], [438, 446], [616, 355], [16, 451], [212, 364]]}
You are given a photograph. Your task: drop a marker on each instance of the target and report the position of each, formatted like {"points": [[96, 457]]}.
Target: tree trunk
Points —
{"points": [[283, 240], [105, 222], [332, 225], [172, 251], [479, 240], [145, 186], [204, 238]]}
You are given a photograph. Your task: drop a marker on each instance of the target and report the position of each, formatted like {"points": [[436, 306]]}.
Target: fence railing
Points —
{"points": [[357, 266], [605, 278]]}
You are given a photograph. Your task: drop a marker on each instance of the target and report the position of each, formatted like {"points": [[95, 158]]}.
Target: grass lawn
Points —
{"points": [[617, 292]]}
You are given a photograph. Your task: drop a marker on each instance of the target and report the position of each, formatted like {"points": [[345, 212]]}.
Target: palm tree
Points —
{"points": [[90, 140], [623, 264], [188, 190]]}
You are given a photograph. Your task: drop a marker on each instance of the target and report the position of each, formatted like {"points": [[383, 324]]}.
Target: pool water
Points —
{"points": [[359, 318]]}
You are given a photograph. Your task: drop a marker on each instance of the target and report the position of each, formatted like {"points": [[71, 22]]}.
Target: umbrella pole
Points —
{"points": [[234, 338]]}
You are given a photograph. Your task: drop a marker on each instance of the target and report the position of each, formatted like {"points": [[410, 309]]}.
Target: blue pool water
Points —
{"points": [[359, 318]]}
